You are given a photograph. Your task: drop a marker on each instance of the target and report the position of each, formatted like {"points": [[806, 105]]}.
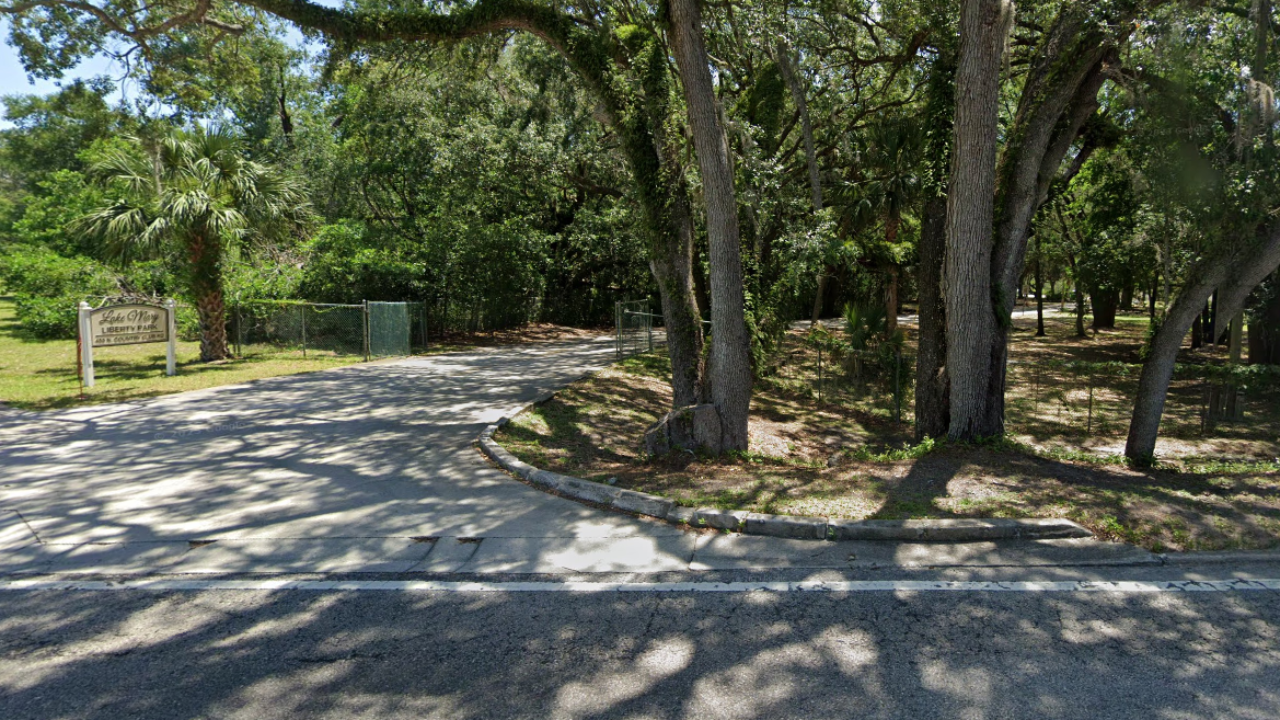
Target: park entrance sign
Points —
{"points": [[126, 321]]}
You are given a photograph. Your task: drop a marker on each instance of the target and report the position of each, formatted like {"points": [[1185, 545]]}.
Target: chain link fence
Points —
{"points": [[633, 324], [446, 315], [1051, 397], [371, 329], [878, 381]]}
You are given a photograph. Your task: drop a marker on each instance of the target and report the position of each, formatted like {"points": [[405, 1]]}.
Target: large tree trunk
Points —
{"points": [[933, 395], [1232, 279], [1058, 97], [672, 265], [972, 329], [729, 374], [205, 255], [1105, 302], [819, 298]]}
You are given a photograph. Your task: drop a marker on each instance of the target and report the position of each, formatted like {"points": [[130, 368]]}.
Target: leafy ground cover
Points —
{"points": [[1218, 487]]}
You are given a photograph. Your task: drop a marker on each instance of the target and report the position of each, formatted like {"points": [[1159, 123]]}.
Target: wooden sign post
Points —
{"points": [[126, 321]]}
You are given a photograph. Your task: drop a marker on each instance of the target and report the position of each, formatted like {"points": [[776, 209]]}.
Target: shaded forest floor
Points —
{"points": [[844, 456]]}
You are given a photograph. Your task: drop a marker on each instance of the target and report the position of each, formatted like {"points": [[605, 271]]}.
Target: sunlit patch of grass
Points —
{"points": [[42, 374]]}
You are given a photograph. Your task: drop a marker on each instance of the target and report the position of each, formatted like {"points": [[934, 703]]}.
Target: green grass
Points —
{"points": [[41, 374]]}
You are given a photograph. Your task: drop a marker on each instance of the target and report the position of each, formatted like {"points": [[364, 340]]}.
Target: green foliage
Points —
{"points": [[868, 329], [342, 268], [763, 104], [62, 198], [48, 287], [49, 133]]}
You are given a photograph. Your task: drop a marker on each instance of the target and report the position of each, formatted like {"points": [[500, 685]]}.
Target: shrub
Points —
{"points": [[48, 288]]}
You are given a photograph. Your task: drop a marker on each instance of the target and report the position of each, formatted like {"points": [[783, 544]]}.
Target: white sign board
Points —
{"points": [[126, 323]]}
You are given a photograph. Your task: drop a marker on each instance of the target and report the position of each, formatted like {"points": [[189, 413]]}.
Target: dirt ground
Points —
{"points": [[532, 333], [845, 456]]}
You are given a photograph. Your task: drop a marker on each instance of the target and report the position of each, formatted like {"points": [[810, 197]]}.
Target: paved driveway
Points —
{"points": [[362, 468], [370, 468]]}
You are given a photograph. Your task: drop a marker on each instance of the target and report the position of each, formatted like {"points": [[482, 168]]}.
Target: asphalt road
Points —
{"points": [[378, 653]]}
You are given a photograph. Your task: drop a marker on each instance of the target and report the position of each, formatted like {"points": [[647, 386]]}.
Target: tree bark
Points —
{"points": [[1232, 279], [729, 374], [672, 265], [1126, 294], [967, 268], [1237, 337], [819, 296], [1105, 302], [1058, 98], [205, 256], [933, 395]]}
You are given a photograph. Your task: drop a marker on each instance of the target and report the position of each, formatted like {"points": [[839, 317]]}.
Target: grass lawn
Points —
{"points": [[41, 374], [845, 457]]}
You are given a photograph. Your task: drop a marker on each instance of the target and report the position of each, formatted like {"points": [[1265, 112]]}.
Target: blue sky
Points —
{"points": [[14, 81]]}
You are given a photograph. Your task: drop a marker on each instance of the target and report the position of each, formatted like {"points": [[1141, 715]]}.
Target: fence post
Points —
{"points": [[86, 344], [171, 328], [617, 329], [1089, 427], [365, 325], [897, 386], [239, 332], [303, 310], [648, 326], [819, 373]]}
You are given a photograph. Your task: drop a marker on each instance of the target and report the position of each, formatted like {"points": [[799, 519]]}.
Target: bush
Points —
{"points": [[48, 288]]}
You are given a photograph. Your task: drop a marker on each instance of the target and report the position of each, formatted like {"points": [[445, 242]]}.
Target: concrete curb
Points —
{"points": [[1221, 556], [785, 526]]}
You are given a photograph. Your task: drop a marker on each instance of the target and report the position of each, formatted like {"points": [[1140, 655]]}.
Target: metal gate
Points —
{"points": [[388, 328], [633, 325]]}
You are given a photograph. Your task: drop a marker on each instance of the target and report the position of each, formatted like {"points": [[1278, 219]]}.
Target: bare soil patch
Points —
{"points": [[532, 333]]}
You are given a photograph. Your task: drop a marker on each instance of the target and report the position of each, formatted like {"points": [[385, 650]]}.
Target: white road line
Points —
{"points": [[842, 586]]}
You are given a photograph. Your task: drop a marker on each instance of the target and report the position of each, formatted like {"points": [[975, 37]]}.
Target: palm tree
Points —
{"points": [[891, 157], [197, 194]]}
